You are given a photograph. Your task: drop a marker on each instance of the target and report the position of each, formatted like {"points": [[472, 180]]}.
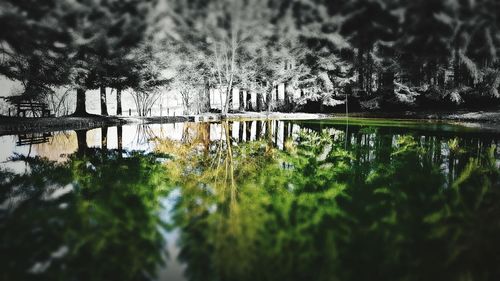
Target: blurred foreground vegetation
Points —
{"points": [[331, 204]]}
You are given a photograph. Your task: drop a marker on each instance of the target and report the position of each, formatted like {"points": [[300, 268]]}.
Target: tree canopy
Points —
{"points": [[381, 53]]}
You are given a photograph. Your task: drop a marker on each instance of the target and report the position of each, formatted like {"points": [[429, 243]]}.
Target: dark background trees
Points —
{"points": [[87, 44], [32, 49], [107, 33]]}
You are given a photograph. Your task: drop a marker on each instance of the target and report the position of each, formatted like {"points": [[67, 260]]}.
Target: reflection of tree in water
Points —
{"points": [[394, 205], [196, 133], [94, 217], [385, 208], [144, 134], [209, 181]]}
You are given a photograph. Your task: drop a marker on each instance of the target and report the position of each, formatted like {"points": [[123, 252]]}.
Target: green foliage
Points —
{"points": [[325, 204], [94, 217], [398, 203]]}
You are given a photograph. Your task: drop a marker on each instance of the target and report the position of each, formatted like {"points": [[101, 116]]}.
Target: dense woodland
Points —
{"points": [[327, 55]]}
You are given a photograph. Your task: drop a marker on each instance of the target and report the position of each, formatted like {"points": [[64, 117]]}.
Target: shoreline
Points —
{"points": [[14, 125]]}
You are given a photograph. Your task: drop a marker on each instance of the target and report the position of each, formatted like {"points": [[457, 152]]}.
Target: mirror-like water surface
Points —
{"points": [[252, 200]]}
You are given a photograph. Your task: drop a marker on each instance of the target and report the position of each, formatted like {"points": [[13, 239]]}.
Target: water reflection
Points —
{"points": [[366, 203], [254, 200], [93, 217], [29, 139]]}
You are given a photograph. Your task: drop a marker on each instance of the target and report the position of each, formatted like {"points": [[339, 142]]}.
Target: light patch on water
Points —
{"points": [[174, 269], [58, 192], [41, 266]]}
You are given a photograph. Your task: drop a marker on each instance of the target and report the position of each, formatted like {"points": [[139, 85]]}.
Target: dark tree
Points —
{"points": [[117, 28], [367, 23], [32, 50], [426, 39]]}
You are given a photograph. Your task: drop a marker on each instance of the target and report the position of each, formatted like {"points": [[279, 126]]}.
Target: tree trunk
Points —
{"points": [[230, 100], [258, 130], [119, 137], [81, 136], [456, 67], [387, 81], [205, 136], [249, 101], [287, 98], [104, 138], [206, 98], [361, 72], [269, 132], [242, 101], [441, 79], [118, 102], [369, 72], [260, 101], [285, 134], [276, 130], [248, 129], [269, 98], [80, 103], [240, 131], [104, 107], [230, 129]]}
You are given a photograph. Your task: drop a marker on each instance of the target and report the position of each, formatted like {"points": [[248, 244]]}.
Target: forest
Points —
{"points": [[268, 55]]}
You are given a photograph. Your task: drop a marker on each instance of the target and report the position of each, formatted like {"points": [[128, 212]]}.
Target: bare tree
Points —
{"points": [[60, 101], [150, 80], [218, 35], [145, 100]]}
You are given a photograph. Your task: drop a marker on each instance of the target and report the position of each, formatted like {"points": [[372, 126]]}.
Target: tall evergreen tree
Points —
{"points": [[33, 48], [425, 44], [104, 33], [367, 23]]}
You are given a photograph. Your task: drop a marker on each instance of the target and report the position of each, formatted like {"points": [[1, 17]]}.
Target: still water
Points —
{"points": [[253, 200]]}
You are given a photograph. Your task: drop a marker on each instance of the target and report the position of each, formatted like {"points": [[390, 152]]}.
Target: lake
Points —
{"points": [[337, 199]]}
